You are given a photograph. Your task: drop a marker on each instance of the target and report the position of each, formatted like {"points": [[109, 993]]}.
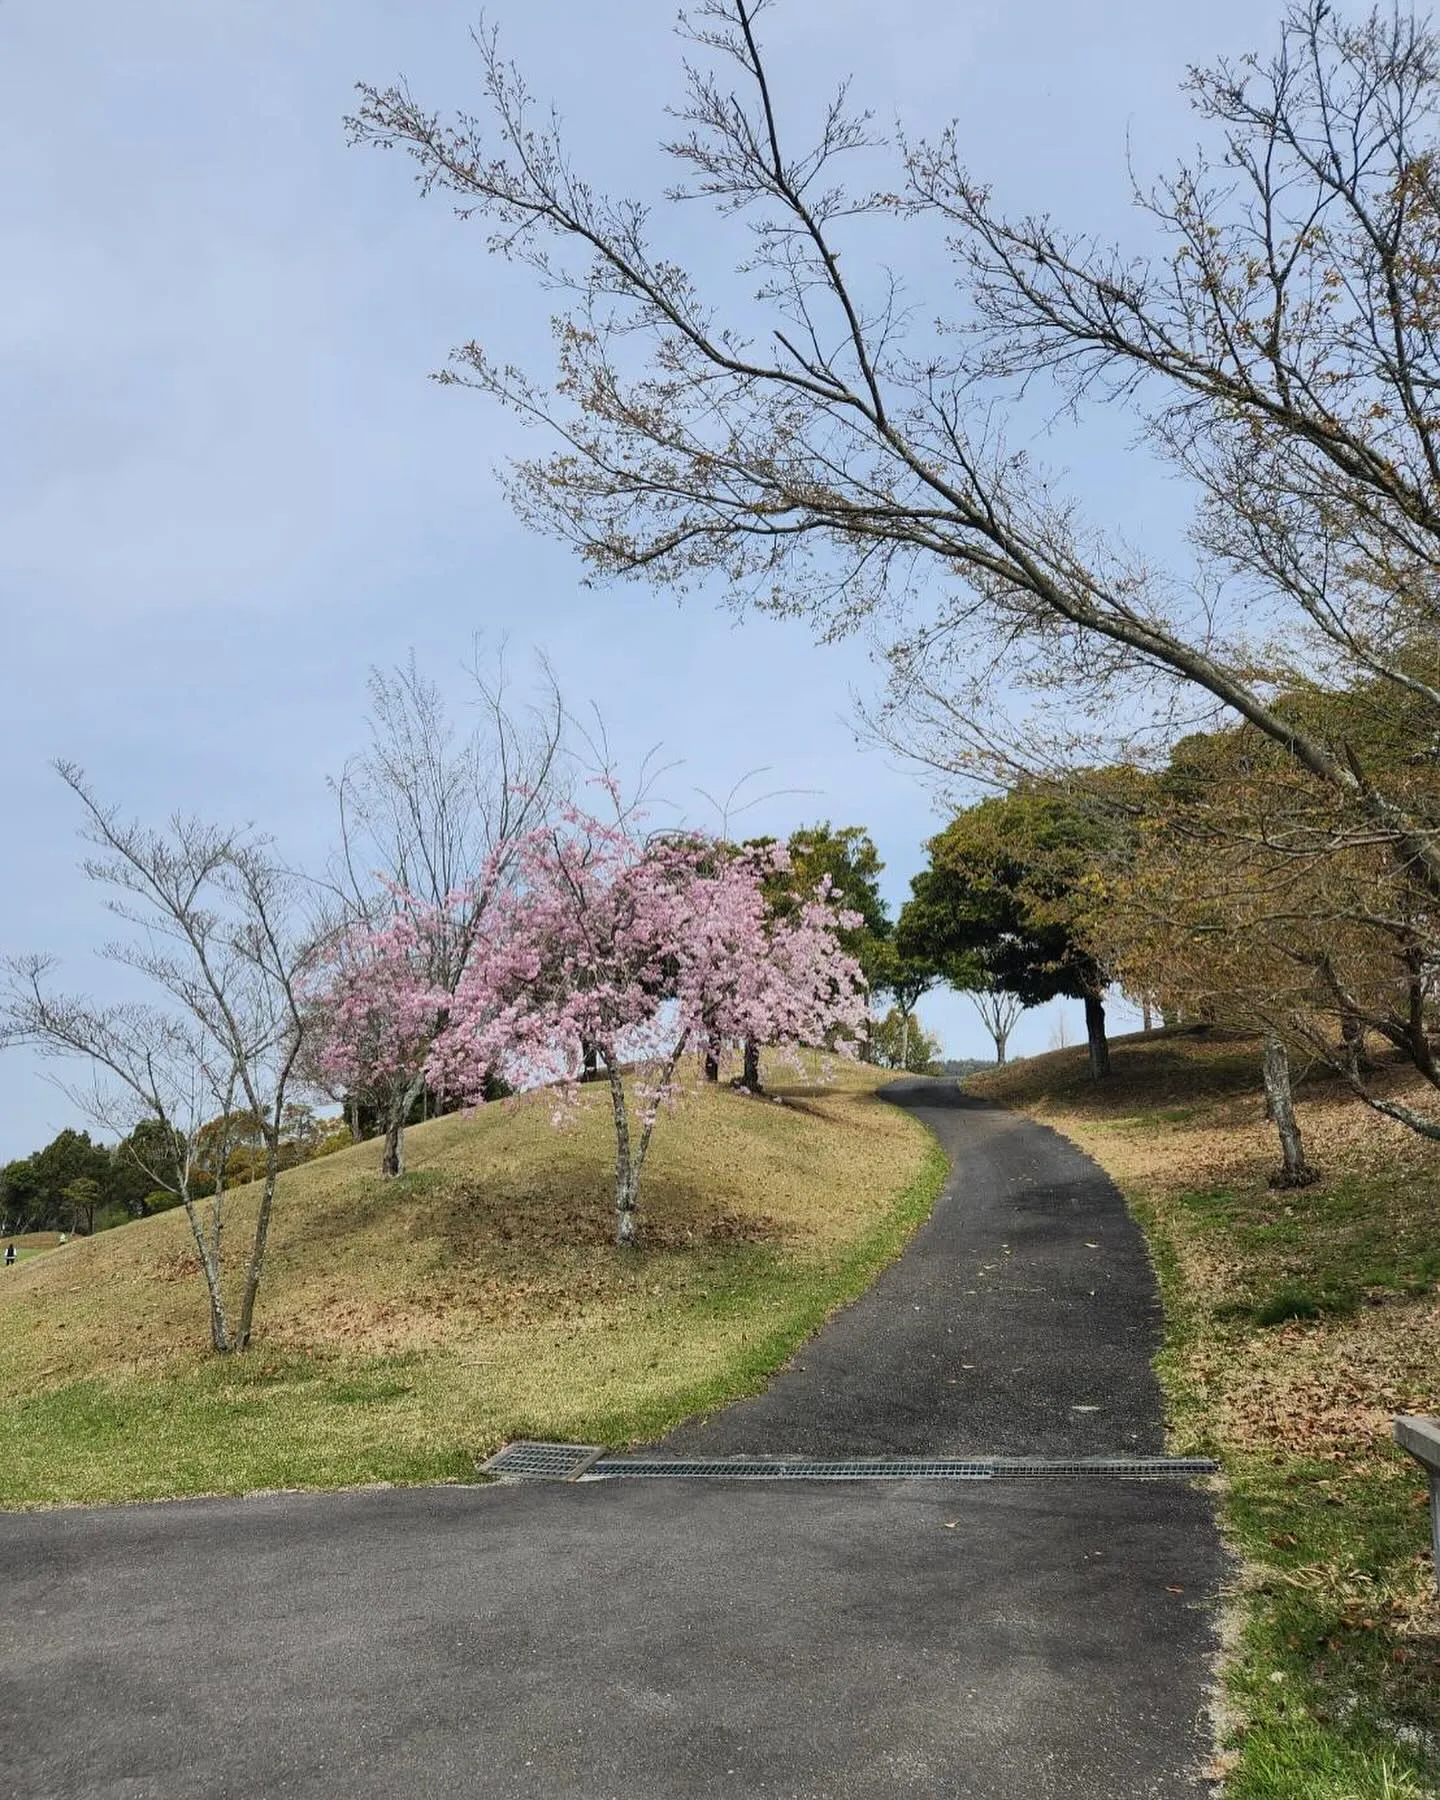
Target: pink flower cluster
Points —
{"points": [[635, 948], [380, 1007], [601, 946]]}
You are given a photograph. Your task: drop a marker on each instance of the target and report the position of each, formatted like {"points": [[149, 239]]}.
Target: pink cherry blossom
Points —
{"points": [[377, 1008], [634, 948]]}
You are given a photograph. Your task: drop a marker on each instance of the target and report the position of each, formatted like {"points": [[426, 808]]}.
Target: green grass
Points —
{"points": [[408, 1328], [1335, 1697], [1297, 1323]]}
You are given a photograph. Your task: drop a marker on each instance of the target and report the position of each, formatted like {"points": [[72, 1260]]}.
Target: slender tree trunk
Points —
{"points": [[904, 1041], [392, 1157], [208, 1246], [1280, 1105], [256, 1262], [1001, 1039], [630, 1157], [626, 1182], [1145, 1015], [1421, 1052], [589, 1062], [1095, 1035], [712, 1057], [751, 1076]]}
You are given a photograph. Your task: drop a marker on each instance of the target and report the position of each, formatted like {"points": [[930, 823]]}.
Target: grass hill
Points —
{"points": [[407, 1328], [1298, 1323]]}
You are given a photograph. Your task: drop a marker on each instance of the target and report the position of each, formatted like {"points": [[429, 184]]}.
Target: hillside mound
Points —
{"points": [[407, 1327]]}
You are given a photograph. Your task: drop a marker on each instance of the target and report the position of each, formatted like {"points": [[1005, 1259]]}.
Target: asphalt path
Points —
{"points": [[653, 1639]]}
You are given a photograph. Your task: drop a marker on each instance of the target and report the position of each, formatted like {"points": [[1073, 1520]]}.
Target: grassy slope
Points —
{"points": [[1298, 1324], [405, 1329]]}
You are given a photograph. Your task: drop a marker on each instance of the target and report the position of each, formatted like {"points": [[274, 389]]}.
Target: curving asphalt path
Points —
{"points": [[1020, 1321], [669, 1639]]}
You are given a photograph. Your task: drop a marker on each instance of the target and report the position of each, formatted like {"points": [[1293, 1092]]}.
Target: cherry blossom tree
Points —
{"points": [[635, 948], [429, 814], [377, 996]]}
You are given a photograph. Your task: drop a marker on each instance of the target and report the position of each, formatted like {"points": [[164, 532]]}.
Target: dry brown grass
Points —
{"points": [[479, 1297]]}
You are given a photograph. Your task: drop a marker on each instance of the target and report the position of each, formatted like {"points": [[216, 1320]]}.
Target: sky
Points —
{"points": [[228, 488]]}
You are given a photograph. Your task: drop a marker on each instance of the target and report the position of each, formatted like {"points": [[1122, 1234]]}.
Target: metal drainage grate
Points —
{"points": [[792, 1469], [527, 1461], [900, 1468], [1124, 1468], [543, 1462]]}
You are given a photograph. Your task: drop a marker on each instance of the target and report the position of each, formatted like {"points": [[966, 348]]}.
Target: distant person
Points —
{"points": [[9, 1255]]}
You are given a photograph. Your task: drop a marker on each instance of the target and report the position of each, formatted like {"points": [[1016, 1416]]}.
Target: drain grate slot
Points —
{"points": [[1127, 1468], [791, 1469], [901, 1468], [529, 1461]]}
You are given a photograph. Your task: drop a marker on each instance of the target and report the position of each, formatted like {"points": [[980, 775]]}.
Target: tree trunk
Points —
{"points": [[589, 1062], [626, 1174], [257, 1245], [1280, 1105], [1145, 1015], [904, 1042], [1352, 1036], [751, 1076], [1095, 1035], [1001, 1039], [392, 1157], [712, 1057], [210, 1265], [629, 1157]]}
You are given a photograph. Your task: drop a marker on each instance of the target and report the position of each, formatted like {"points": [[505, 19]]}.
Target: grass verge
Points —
{"points": [[1298, 1323], [408, 1328]]}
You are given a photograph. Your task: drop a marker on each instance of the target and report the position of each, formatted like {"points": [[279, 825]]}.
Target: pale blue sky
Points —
{"points": [[227, 488]]}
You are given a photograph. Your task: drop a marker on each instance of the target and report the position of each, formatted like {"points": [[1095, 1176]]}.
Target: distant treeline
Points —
{"points": [[75, 1184]]}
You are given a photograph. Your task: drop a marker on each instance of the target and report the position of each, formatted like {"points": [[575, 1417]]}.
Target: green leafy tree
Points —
{"points": [[20, 1196], [845, 856], [82, 1199], [906, 980], [132, 1179], [898, 1041], [1007, 900]]}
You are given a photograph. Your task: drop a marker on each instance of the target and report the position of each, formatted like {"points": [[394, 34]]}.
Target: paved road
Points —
{"points": [[1020, 1322], [657, 1640]]}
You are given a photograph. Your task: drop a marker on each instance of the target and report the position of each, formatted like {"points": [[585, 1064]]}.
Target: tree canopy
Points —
{"points": [[1007, 899]]}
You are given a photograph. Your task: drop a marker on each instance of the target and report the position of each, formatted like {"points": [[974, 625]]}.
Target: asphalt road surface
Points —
{"points": [[652, 1639]]}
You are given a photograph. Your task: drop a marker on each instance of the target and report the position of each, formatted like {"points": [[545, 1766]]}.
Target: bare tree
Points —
{"points": [[826, 451], [213, 932], [998, 1013], [430, 813]]}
